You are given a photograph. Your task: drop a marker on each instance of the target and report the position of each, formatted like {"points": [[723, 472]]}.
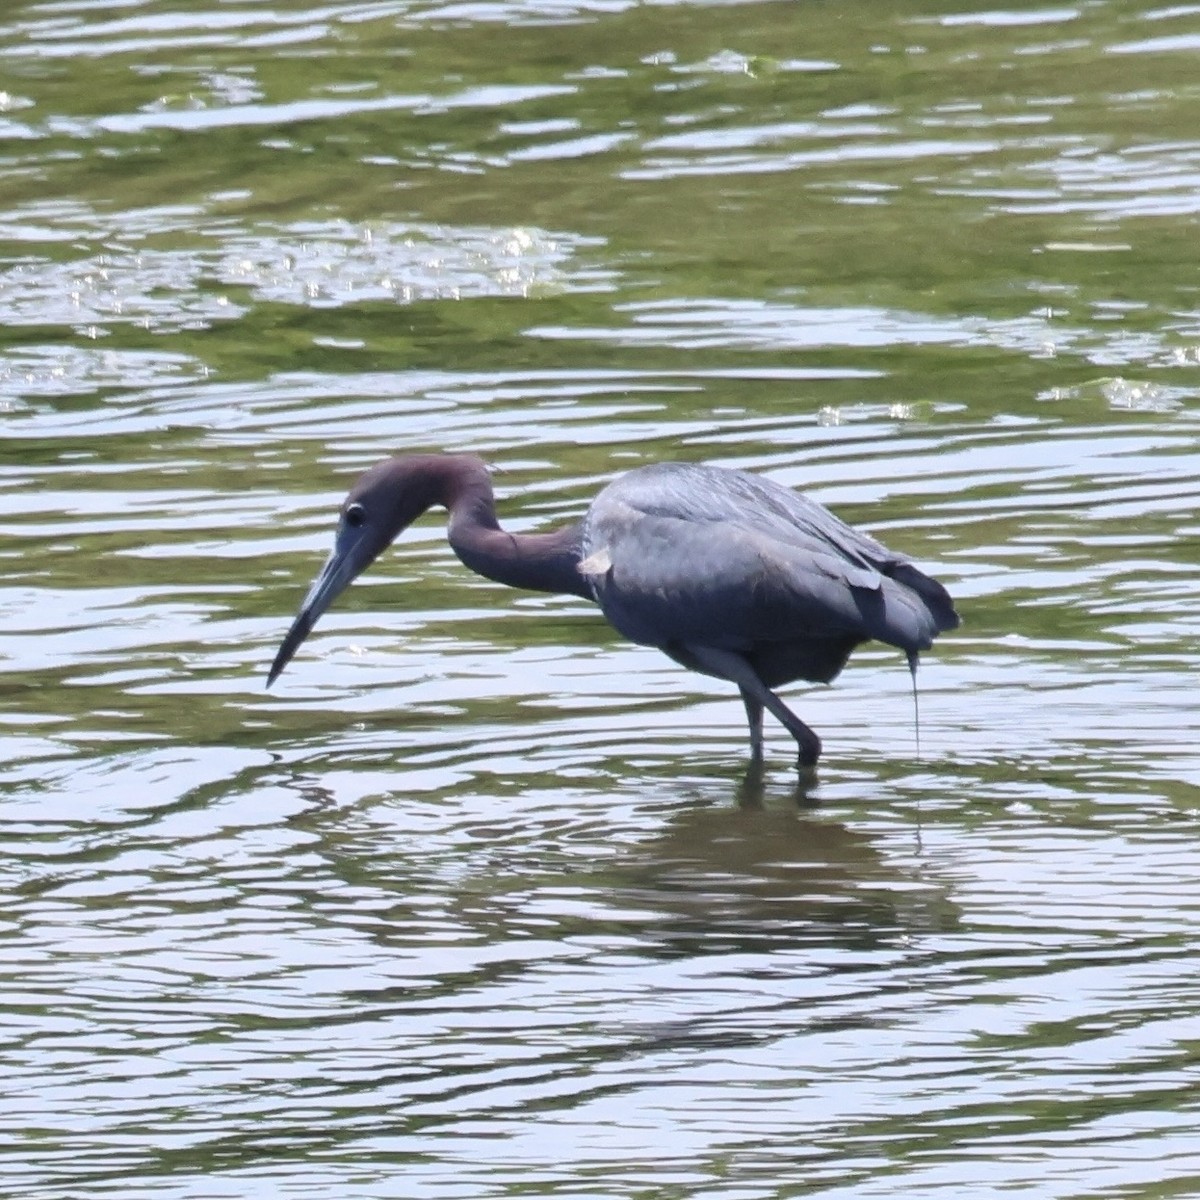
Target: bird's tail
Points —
{"points": [[937, 599]]}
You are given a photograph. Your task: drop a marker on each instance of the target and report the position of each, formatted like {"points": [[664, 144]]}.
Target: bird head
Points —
{"points": [[379, 507]]}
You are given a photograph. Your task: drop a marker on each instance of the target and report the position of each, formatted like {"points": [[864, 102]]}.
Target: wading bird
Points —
{"points": [[729, 574]]}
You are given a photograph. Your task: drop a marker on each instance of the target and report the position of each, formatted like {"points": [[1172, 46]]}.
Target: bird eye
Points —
{"points": [[354, 515]]}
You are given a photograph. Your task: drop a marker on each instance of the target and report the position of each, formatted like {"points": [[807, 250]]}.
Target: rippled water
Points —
{"points": [[475, 902]]}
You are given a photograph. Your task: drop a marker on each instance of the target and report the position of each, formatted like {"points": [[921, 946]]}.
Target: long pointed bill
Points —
{"points": [[340, 568]]}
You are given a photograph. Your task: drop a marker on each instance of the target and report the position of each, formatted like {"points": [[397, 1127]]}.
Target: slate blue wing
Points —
{"points": [[719, 558]]}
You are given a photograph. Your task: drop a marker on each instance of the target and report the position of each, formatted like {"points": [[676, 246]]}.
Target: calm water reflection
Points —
{"points": [[472, 904]]}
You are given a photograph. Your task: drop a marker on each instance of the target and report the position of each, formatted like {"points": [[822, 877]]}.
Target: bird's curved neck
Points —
{"points": [[540, 562]]}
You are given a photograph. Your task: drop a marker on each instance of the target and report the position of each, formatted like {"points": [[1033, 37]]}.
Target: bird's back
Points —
{"points": [[718, 557]]}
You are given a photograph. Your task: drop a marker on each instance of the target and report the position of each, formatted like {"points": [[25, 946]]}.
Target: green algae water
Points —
{"points": [[474, 903]]}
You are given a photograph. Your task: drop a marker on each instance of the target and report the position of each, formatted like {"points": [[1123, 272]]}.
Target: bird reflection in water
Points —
{"points": [[681, 873]]}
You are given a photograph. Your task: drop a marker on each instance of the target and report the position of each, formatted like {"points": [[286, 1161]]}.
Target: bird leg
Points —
{"points": [[754, 716], [726, 664], [750, 793]]}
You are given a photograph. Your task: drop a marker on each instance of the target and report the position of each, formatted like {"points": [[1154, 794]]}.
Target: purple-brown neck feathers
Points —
{"points": [[401, 489]]}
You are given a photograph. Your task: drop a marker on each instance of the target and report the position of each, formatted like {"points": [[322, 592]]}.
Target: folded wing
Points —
{"points": [[684, 554]]}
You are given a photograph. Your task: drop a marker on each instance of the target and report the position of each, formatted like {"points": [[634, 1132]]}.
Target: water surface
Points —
{"points": [[475, 902]]}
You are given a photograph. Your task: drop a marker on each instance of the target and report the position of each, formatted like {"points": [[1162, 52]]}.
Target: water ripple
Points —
{"points": [[477, 900]]}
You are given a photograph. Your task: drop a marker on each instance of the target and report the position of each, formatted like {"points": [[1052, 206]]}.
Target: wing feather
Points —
{"points": [[722, 558]]}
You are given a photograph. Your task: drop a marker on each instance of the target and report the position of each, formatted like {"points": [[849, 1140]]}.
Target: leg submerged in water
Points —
{"points": [[754, 718], [725, 664]]}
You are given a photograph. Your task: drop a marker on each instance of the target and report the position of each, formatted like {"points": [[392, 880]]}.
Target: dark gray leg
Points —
{"points": [[750, 793], [754, 716], [727, 665]]}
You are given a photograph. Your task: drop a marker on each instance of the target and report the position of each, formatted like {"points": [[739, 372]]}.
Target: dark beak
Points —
{"points": [[352, 554]]}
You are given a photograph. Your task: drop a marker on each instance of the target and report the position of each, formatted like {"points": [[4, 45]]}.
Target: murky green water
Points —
{"points": [[468, 905]]}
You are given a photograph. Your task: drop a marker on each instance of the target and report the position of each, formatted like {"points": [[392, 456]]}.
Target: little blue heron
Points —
{"points": [[729, 574]]}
